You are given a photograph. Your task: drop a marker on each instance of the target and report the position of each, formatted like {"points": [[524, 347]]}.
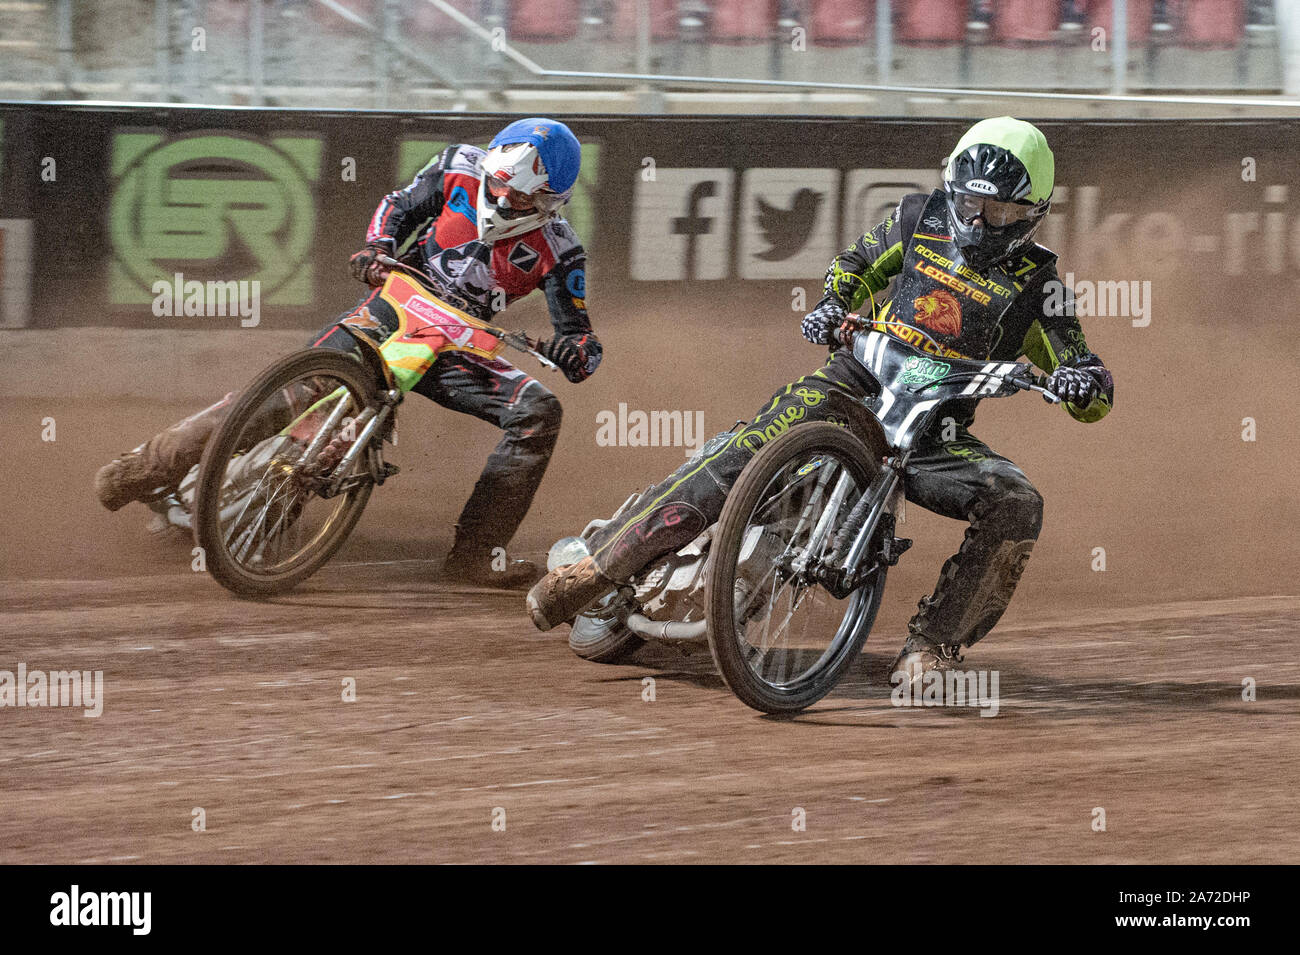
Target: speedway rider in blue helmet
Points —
{"points": [[488, 231]]}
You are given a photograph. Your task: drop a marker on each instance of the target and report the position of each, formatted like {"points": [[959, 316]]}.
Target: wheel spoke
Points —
{"points": [[785, 623], [269, 519]]}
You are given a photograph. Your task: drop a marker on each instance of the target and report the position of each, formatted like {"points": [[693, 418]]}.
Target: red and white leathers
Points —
{"points": [[479, 277]]}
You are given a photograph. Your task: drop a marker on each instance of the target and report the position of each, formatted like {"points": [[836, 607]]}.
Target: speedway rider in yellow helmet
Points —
{"points": [[967, 274]]}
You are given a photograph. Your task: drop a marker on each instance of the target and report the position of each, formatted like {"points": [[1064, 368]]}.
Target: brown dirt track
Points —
{"points": [[1120, 689], [235, 707]]}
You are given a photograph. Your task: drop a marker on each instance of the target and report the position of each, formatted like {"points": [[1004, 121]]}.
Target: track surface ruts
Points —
{"points": [[462, 709]]}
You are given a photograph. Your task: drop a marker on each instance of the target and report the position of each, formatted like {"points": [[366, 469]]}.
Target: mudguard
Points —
{"points": [[862, 424], [371, 357]]}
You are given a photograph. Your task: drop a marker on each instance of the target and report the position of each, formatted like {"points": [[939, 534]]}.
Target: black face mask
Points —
{"points": [[982, 245]]}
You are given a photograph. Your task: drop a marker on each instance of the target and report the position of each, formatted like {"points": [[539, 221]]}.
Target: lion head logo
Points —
{"points": [[938, 310]]}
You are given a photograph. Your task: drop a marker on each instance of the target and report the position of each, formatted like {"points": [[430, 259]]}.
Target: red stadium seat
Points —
{"points": [[931, 22], [543, 21], [1026, 21], [842, 22], [744, 21], [227, 14], [663, 20], [1211, 24], [1101, 13]]}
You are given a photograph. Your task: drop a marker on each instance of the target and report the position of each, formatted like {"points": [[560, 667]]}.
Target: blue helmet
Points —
{"points": [[532, 165], [559, 148]]}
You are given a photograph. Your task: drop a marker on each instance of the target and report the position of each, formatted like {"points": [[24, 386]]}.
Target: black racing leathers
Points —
{"points": [[939, 304], [938, 294]]}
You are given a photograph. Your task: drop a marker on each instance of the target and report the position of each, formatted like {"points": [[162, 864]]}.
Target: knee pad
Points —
{"points": [[1014, 508], [711, 447], [536, 415]]}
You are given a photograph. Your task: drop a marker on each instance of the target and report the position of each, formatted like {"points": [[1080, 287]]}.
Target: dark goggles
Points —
{"points": [[521, 202], [516, 200], [994, 212]]}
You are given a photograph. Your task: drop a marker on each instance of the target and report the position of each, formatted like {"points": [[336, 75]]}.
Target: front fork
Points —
{"points": [[869, 518], [369, 421]]}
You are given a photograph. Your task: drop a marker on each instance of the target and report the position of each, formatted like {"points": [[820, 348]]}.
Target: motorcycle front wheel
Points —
{"points": [[780, 639], [260, 515]]}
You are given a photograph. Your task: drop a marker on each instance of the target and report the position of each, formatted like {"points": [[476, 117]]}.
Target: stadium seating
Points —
{"points": [[743, 21], [663, 20], [1017, 22], [931, 22], [1101, 13], [330, 21], [543, 21], [1208, 24], [842, 22], [226, 15], [1211, 24], [426, 22]]}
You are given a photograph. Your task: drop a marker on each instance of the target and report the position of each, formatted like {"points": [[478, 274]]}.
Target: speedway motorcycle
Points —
{"points": [[284, 479], [785, 587]]}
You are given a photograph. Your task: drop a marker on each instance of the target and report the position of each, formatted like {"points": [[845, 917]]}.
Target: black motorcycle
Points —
{"points": [[785, 587]]}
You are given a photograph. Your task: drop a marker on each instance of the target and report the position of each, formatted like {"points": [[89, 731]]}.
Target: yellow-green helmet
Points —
{"points": [[999, 183]]}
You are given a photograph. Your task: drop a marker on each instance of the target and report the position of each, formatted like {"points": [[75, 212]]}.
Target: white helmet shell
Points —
{"points": [[520, 167]]}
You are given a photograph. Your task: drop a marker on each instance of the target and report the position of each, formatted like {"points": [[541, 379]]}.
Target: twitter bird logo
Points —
{"points": [[787, 230]]}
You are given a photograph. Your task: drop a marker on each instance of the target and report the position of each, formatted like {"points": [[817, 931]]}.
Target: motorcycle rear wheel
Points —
{"points": [[602, 638]]}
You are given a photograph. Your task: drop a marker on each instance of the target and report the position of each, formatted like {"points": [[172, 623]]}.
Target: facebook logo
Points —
{"points": [[681, 225]]}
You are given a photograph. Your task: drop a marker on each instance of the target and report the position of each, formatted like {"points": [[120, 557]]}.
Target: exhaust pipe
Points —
{"points": [[667, 631]]}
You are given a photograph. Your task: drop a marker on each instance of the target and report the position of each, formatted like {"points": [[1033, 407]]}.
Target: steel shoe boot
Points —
{"points": [[564, 593], [920, 656]]}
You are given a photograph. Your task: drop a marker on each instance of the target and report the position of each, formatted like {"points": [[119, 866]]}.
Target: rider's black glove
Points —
{"points": [[366, 267], [567, 352], [1078, 386], [828, 324]]}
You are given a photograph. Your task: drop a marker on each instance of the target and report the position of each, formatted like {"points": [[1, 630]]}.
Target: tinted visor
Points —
{"points": [[515, 200], [994, 212], [520, 203]]}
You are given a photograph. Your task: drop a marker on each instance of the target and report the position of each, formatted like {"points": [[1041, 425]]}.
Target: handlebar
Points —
{"points": [[517, 340], [1027, 381], [1032, 382]]}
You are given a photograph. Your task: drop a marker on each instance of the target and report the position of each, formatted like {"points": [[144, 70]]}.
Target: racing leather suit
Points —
{"points": [[438, 208], [1009, 310]]}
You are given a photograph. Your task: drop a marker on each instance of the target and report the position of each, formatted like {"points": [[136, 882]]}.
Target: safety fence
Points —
{"points": [[391, 54]]}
